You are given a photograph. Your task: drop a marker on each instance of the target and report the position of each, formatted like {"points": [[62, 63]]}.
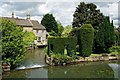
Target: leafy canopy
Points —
{"points": [[28, 38], [87, 14], [12, 42]]}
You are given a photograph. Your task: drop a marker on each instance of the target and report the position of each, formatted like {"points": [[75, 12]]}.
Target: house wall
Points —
{"points": [[41, 35], [27, 28]]}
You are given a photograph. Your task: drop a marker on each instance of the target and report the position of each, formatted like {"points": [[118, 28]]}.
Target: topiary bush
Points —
{"points": [[86, 38], [58, 45]]}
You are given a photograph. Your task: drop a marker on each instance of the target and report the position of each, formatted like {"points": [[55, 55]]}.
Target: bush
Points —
{"points": [[29, 38], [58, 45], [59, 59], [12, 42], [114, 49], [86, 38]]}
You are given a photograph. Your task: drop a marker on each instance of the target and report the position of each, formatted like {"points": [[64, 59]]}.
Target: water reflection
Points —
{"points": [[82, 70], [116, 68]]}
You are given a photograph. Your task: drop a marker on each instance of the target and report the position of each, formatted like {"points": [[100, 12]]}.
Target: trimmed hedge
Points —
{"points": [[86, 38], [58, 45]]}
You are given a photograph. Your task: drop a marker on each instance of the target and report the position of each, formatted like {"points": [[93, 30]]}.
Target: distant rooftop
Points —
{"points": [[26, 22]]}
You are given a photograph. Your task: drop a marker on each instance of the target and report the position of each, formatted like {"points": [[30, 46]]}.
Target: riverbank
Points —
{"points": [[51, 61]]}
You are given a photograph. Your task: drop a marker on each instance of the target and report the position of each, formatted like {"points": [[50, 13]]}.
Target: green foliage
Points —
{"points": [[105, 36], [117, 39], [86, 39], [59, 59], [87, 14], [12, 42], [118, 35], [73, 32], [114, 49], [57, 45], [53, 33], [67, 31], [50, 23], [28, 38], [112, 34], [60, 29]]}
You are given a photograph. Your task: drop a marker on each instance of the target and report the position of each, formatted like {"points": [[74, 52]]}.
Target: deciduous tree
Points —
{"points": [[87, 14], [12, 42]]}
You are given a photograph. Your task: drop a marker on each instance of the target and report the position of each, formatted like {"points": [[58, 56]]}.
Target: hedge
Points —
{"points": [[58, 45], [86, 38]]}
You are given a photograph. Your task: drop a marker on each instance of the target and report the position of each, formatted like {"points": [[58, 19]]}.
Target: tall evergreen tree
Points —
{"points": [[105, 36], [112, 34], [50, 23]]}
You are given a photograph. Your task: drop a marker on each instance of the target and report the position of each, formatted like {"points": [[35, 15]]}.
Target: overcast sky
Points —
{"points": [[61, 10]]}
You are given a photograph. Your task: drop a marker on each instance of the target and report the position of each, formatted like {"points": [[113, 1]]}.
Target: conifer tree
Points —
{"points": [[50, 23], [105, 36]]}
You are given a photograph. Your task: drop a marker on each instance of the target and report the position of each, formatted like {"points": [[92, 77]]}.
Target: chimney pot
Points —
{"points": [[12, 14], [28, 16]]}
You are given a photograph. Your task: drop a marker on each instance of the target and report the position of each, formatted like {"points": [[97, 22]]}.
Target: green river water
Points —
{"points": [[34, 67]]}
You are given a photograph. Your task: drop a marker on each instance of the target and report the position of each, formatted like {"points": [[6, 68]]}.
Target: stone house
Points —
{"points": [[32, 26]]}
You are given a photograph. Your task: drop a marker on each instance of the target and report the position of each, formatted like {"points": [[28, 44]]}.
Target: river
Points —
{"points": [[34, 67]]}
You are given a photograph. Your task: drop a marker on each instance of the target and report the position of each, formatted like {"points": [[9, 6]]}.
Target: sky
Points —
{"points": [[62, 10]]}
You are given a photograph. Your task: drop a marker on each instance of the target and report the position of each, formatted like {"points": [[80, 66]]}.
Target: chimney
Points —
{"points": [[12, 14], [28, 16]]}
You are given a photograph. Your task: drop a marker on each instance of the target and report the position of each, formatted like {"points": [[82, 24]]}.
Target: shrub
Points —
{"points": [[29, 38], [86, 38], [58, 45], [114, 49], [12, 42], [59, 59]]}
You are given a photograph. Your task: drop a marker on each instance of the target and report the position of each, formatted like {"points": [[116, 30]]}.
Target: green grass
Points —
{"points": [[114, 53], [92, 55], [77, 52]]}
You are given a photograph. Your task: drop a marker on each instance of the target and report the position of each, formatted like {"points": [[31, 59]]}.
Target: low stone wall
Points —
{"points": [[5, 67], [49, 60]]}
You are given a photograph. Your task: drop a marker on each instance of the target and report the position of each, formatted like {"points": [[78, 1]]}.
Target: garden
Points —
{"points": [[93, 37]]}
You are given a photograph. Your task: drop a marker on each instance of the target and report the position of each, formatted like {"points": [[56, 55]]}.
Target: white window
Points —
{"points": [[39, 38]]}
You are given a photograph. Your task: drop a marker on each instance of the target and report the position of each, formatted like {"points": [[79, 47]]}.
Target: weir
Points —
{"points": [[116, 68], [33, 59]]}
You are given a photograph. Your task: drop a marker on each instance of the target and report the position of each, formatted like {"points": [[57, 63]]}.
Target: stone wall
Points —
{"points": [[49, 60]]}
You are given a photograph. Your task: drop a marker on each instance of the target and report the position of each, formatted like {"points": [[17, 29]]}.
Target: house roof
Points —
{"points": [[36, 25], [27, 23]]}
